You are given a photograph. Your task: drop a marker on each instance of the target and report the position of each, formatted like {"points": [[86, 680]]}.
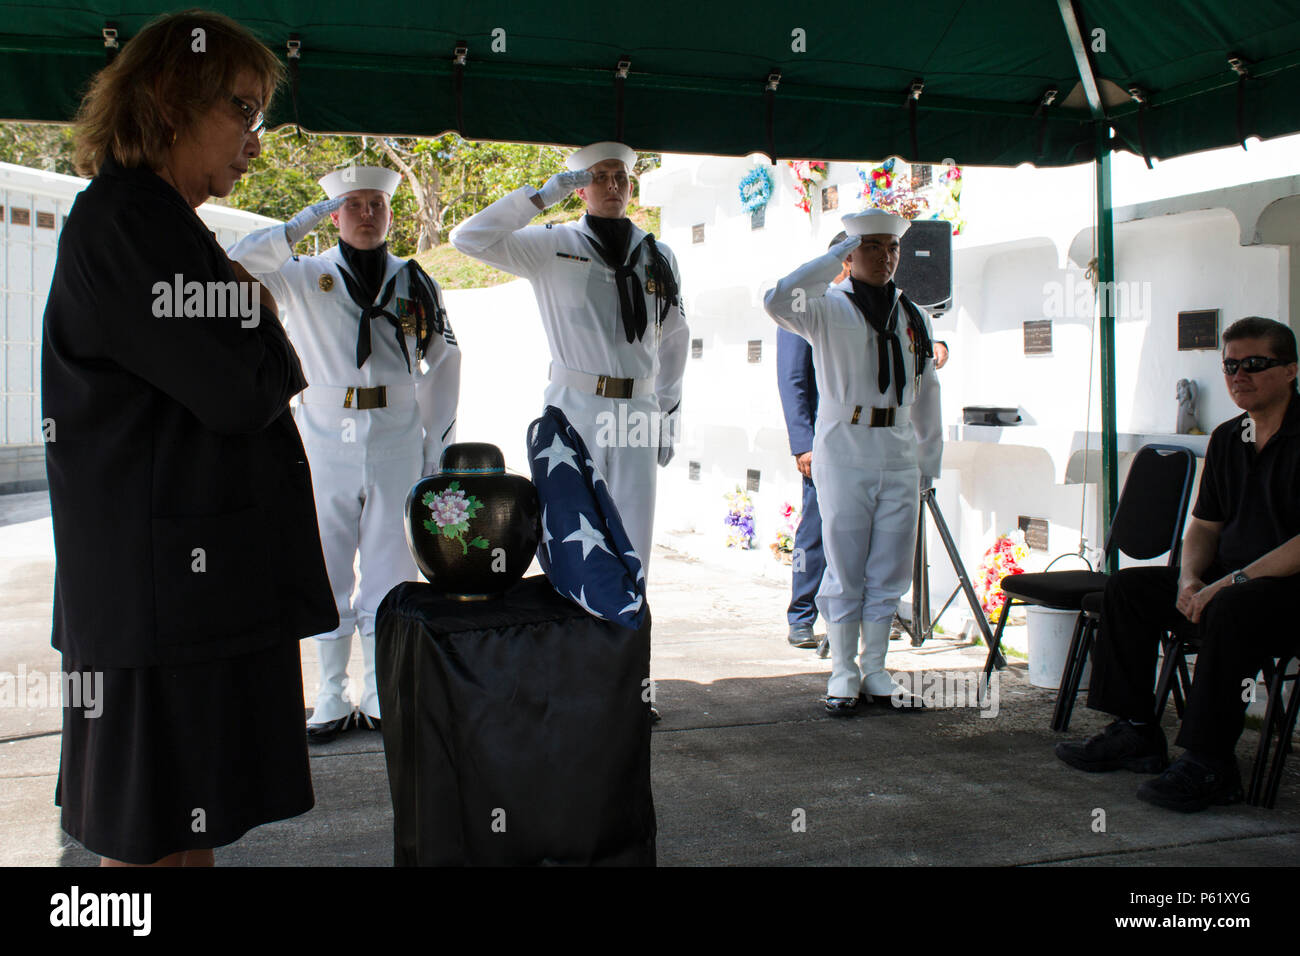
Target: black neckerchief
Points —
{"points": [[369, 308], [613, 234], [878, 306], [631, 303], [368, 266]]}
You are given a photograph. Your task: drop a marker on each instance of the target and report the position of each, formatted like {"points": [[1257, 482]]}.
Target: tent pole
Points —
{"points": [[1106, 315]]}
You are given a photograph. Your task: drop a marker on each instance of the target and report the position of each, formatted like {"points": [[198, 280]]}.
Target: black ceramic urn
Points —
{"points": [[472, 528]]}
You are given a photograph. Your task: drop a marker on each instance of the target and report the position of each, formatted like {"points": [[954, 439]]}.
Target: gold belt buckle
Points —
{"points": [[857, 410], [882, 417], [613, 387], [347, 398], [376, 397]]}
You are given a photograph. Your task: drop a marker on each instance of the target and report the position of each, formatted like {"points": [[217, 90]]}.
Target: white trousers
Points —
{"points": [[359, 508], [623, 452], [869, 536]]}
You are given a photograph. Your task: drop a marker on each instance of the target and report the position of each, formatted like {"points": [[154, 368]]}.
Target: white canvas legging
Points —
{"points": [[869, 535]]}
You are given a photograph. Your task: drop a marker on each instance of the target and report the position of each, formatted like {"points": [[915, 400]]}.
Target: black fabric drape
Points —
{"points": [[515, 730]]}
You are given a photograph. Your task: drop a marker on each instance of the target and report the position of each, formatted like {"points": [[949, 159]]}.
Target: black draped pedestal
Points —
{"points": [[516, 730]]}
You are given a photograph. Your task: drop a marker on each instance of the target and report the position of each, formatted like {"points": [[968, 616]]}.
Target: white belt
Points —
{"points": [[864, 414], [605, 385], [360, 396]]}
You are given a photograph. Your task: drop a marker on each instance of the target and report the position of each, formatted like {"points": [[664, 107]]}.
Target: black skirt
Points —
{"points": [[185, 757]]}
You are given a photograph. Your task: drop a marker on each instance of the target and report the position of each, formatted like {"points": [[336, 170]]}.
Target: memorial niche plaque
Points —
{"points": [[697, 233], [20, 217], [697, 348], [1198, 330], [1035, 530], [755, 351], [830, 198], [693, 471], [758, 218], [751, 479], [1038, 337], [45, 220]]}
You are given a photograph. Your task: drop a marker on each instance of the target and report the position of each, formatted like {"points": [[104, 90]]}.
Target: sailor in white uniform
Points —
{"points": [[877, 441], [383, 370], [611, 306]]}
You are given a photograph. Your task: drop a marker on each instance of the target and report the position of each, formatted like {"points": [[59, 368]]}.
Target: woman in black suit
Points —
{"points": [[188, 559]]}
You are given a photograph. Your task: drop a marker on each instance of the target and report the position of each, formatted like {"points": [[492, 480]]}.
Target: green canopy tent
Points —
{"points": [[979, 82]]}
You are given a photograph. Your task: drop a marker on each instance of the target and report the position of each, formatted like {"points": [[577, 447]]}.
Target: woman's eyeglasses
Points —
{"points": [[254, 119], [1251, 364]]}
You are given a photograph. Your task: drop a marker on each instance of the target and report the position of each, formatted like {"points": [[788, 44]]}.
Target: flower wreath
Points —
{"points": [[755, 189]]}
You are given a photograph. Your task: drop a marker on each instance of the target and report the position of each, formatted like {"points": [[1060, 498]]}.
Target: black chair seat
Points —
{"points": [[1091, 603], [1064, 590]]}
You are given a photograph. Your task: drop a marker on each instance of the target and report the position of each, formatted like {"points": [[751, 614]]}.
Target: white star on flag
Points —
{"points": [[640, 568], [581, 600], [596, 476], [634, 606], [547, 537], [589, 537], [558, 453]]}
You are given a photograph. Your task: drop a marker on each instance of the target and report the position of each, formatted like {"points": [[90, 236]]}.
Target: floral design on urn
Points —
{"points": [[473, 528]]}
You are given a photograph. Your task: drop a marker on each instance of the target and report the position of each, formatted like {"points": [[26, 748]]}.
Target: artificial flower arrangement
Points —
{"points": [[755, 189], [889, 188], [783, 546], [807, 175], [740, 520], [1000, 560]]}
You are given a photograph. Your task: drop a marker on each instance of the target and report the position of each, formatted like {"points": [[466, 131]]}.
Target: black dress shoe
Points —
{"points": [[1191, 784], [1121, 746], [824, 648], [324, 733], [801, 635], [655, 717], [366, 722], [841, 706]]}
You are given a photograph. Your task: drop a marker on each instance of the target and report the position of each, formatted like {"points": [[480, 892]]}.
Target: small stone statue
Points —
{"points": [[1185, 392]]}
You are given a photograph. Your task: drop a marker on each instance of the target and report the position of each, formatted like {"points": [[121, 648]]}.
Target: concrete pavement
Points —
{"points": [[746, 767]]}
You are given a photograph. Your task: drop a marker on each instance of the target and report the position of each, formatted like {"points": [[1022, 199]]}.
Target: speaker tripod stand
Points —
{"points": [[922, 625]]}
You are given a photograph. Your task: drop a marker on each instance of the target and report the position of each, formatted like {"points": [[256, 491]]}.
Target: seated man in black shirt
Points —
{"points": [[1239, 578]]}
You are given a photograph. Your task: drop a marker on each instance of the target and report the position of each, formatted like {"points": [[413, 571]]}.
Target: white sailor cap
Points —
{"points": [[589, 156], [874, 222], [343, 181]]}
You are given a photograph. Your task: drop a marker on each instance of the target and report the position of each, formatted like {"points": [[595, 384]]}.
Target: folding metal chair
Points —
{"points": [[1148, 523]]}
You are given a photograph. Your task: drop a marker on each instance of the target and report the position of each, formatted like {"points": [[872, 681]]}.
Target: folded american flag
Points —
{"points": [[584, 551]]}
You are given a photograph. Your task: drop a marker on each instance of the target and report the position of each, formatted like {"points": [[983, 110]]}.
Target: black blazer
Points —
{"points": [[184, 526]]}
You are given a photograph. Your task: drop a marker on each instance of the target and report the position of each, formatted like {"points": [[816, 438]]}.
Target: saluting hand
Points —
{"points": [[842, 249], [560, 185], [297, 228]]}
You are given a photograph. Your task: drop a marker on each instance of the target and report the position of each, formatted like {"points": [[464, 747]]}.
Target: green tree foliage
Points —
{"points": [[444, 180], [44, 146]]}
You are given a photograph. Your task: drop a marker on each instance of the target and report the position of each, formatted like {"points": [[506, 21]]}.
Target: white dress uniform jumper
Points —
{"points": [[374, 419], [604, 369], [877, 433]]}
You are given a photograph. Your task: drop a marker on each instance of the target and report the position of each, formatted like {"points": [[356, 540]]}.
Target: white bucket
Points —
{"points": [[1049, 643]]}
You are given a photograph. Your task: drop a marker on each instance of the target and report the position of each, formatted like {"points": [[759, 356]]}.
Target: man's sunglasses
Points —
{"points": [[1251, 364], [254, 119]]}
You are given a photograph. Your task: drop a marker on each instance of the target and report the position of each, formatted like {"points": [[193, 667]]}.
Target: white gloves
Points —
{"points": [[561, 184], [842, 249], [297, 228]]}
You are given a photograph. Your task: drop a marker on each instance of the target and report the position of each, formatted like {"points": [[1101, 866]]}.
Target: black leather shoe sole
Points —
{"points": [[1071, 752], [841, 706], [324, 733], [906, 703]]}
